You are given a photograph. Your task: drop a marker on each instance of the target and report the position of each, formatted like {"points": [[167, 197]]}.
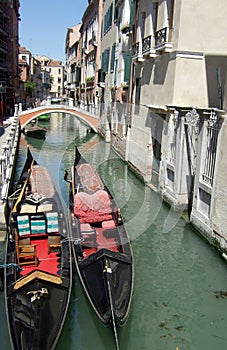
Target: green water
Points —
{"points": [[178, 275]]}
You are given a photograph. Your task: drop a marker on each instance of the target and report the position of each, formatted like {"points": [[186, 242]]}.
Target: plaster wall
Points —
{"points": [[201, 26], [190, 84], [157, 81]]}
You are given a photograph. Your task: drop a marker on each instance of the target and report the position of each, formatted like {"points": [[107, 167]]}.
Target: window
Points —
{"points": [[127, 67], [137, 96], [115, 11], [108, 19], [132, 14], [105, 60], [105, 64], [142, 26], [112, 57], [165, 24]]}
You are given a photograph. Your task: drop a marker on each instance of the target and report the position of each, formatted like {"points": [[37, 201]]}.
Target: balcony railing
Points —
{"points": [[137, 53], [161, 37], [162, 40], [148, 48]]}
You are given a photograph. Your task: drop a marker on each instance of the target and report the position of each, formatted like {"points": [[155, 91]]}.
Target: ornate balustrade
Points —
{"points": [[162, 42], [148, 48], [7, 157]]}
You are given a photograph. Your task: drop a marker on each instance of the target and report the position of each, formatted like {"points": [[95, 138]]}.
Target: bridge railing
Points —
{"points": [[66, 105], [7, 157]]}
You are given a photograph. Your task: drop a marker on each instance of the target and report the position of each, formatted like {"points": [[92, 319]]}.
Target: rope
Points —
{"points": [[2, 266], [72, 239]]}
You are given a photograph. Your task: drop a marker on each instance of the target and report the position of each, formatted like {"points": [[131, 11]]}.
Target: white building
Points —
{"points": [[57, 73]]}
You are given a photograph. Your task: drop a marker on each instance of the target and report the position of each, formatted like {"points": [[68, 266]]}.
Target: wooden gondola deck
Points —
{"points": [[37, 274], [47, 262]]}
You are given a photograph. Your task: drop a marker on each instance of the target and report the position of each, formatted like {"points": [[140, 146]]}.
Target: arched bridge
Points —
{"points": [[30, 114]]}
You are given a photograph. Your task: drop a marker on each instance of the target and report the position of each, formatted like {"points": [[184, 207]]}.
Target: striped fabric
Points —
{"points": [[52, 222], [23, 225], [38, 226]]}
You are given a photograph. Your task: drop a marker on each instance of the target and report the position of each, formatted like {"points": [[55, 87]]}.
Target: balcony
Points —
{"points": [[90, 82], [137, 54], [148, 48], [162, 40]]}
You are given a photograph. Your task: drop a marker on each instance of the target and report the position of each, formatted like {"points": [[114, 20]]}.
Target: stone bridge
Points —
{"points": [[86, 117]]}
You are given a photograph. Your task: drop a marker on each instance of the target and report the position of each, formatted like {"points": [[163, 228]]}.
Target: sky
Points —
{"points": [[44, 23]]}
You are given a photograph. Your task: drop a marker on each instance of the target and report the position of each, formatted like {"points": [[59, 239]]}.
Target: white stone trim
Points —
{"points": [[187, 54]]}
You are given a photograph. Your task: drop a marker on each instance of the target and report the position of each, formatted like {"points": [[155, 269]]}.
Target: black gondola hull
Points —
{"points": [[32, 314], [94, 275], [106, 274], [38, 263]]}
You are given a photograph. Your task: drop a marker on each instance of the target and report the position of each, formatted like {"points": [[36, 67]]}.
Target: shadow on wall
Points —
{"points": [[161, 70]]}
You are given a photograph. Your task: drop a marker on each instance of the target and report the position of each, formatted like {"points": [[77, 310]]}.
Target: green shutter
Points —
{"points": [[132, 13], [112, 57], [111, 15], [105, 60], [127, 61]]}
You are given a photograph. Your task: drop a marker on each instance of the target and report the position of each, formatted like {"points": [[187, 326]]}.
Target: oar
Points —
{"points": [[108, 271], [19, 198]]}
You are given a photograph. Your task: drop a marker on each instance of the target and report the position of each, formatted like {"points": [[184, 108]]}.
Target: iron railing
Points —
{"points": [[211, 150], [161, 36]]}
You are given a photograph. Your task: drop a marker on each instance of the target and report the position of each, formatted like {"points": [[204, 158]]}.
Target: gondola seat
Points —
{"points": [[89, 236], [54, 243], [26, 253], [108, 224]]}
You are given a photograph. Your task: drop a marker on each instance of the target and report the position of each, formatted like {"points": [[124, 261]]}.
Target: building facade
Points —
{"points": [[9, 69], [168, 119], [57, 77], [90, 32], [73, 63], [25, 58], [115, 74], [34, 81]]}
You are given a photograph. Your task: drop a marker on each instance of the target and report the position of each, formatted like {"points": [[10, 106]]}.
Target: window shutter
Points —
{"points": [[132, 13], [112, 57], [127, 61], [105, 63], [107, 55]]}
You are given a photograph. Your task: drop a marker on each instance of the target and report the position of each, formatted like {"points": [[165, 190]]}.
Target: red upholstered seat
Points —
{"points": [[89, 236], [108, 224], [92, 207], [85, 227]]}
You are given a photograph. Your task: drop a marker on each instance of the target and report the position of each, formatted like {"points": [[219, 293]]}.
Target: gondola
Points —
{"points": [[44, 118], [34, 130], [38, 264], [101, 245]]}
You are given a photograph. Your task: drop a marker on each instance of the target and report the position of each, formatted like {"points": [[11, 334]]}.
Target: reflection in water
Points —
{"points": [[176, 272]]}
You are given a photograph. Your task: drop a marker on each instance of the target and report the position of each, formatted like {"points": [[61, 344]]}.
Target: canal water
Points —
{"points": [[180, 288]]}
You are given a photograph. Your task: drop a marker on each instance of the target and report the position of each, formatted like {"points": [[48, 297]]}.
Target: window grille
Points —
{"points": [[211, 149]]}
